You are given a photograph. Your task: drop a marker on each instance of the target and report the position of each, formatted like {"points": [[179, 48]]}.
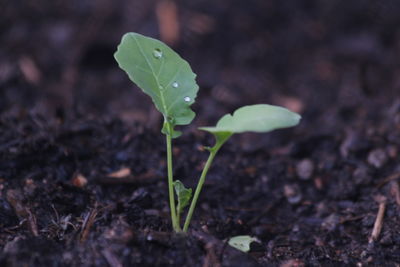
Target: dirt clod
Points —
{"points": [[305, 169], [377, 158]]}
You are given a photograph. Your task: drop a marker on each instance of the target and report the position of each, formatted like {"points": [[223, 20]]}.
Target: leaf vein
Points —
{"points": [[176, 74], [160, 94]]}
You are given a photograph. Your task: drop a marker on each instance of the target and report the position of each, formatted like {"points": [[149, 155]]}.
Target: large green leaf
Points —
{"points": [[161, 73], [254, 118]]}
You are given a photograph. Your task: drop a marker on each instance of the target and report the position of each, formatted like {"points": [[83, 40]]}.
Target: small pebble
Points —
{"points": [[377, 158], [322, 209], [79, 180], [392, 151], [305, 169], [364, 254], [29, 187], [318, 183], [295, 228], [330, 223], [361, 175], [292, 193], [67, 257], [142, 198]]}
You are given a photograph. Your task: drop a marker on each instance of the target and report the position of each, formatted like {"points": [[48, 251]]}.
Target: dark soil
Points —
{"points": [[69, 117]]}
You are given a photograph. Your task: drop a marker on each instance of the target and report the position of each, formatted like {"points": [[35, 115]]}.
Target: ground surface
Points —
{"points": [[70, 118]]}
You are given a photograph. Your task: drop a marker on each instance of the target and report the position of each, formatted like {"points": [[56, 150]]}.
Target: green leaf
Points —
{"points": [[254, 118], [184, 195], [162, 74], [242, 242], [173, 133]]}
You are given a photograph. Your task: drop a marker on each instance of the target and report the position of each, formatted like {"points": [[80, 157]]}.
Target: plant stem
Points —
{"points": [[178, 218], [213, 152], [175, 222]]}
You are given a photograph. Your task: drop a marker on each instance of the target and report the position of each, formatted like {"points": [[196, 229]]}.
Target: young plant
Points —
{"points": [[170, 82]]}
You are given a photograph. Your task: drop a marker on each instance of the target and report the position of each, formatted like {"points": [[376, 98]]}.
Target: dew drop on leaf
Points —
{"points": [[157, 53], [175, 84], [186, 99]]}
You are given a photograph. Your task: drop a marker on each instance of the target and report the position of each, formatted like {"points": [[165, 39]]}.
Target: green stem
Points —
{"points": [[178, 216], [175, 223], [213, 152]]}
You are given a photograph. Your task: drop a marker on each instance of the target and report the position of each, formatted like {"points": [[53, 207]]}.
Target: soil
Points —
{"points": [[83, 162]]}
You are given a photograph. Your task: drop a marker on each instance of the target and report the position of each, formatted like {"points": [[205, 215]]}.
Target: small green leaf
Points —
{"points": [[174, 133], [162, 74], [242, 242], [183, 194], [255, 118]]}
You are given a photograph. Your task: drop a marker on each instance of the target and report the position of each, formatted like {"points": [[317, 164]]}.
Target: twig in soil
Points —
{"points": [[121, 173], [395, 191], [111, 258], [350, 219], [392, 177], [59, 224], [11, 229], [56, 213], [146, 178], [30, 70], [32, 223], [16, 199], [379, 219], [87, 223]]}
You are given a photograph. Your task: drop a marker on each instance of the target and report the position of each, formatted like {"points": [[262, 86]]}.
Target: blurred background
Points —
{"points": [[327, 59], [307, 192]]}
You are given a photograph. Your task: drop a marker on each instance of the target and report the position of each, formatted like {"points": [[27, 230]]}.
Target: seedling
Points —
{"points": [[170, 82]]}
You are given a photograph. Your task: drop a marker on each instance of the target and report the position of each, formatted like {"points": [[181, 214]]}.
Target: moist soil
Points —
{"points": [[83, 162]]}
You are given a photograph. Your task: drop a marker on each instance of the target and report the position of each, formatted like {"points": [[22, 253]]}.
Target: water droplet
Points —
{"points": [[157, 53], [175, 84], [160, 87], [186, 99]]}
